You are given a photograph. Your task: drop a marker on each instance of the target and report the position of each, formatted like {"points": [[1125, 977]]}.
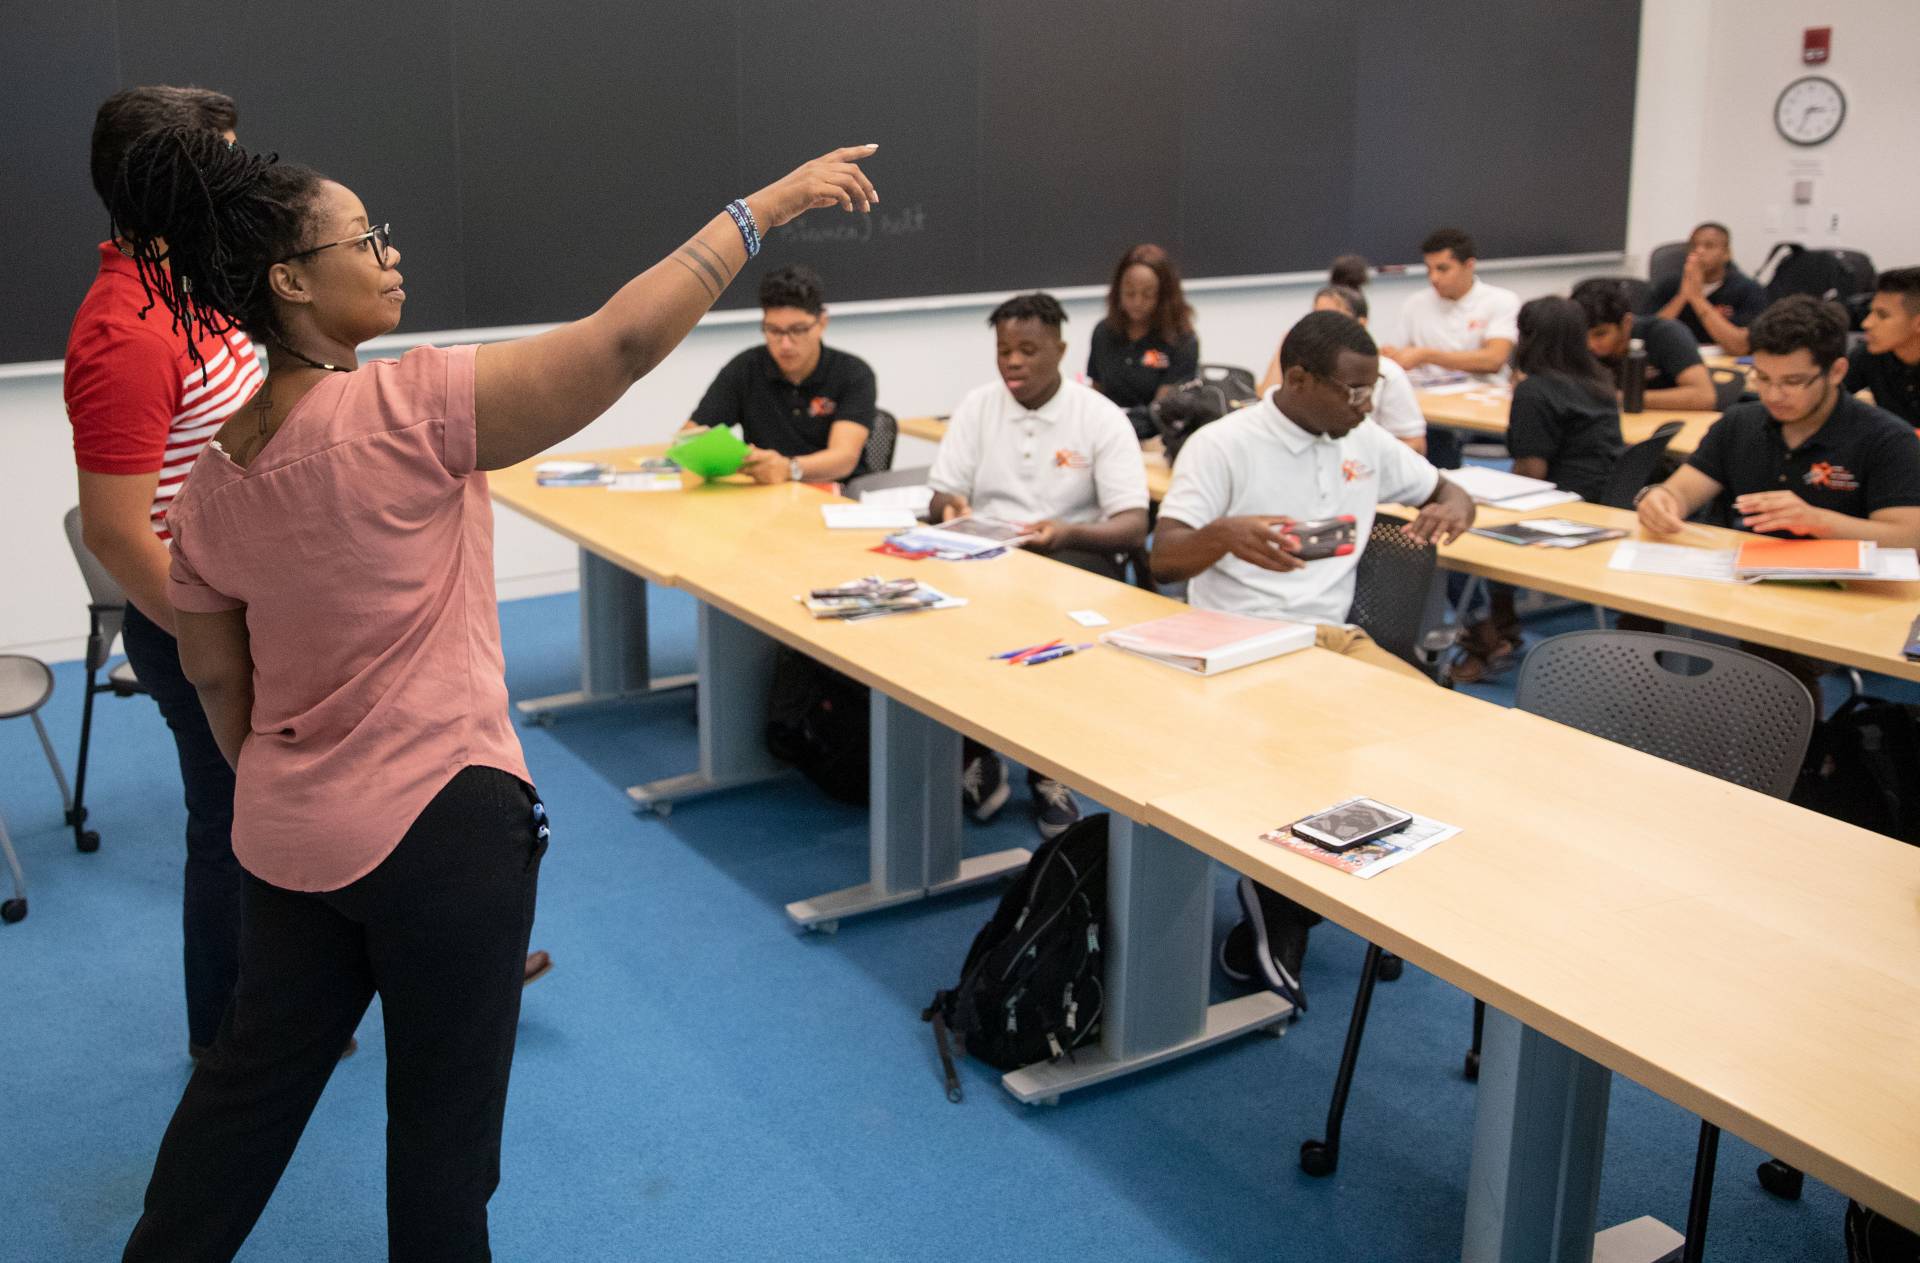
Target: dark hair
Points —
{"points": [[795, 285], [1904, 282], [1042, 307], [1553, 343], [126, 116], [1350, 270], [227, 216], [1604, 299], [1801, 321], [1316, 342], [1352, 299], [1172, 318], [1714, 224], [1450, 239]]}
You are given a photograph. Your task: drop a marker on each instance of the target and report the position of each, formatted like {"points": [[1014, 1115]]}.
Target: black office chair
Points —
{"points": [[1636, 467], [881, 436], [1709, 707], [1666, 261], [911, 477], [1729, 387], [1390, 590], [106, 610]]}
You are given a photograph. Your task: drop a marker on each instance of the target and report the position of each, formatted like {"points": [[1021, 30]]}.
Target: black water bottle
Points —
{"points": [[1633, 378]]}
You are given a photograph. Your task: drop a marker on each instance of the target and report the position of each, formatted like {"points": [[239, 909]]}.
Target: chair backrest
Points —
{"points": [[1390, 590], [1729, 384], [103, 590], [1712, 708], [1636, 465], [1666, 261], [886, 478], [881, 436]]}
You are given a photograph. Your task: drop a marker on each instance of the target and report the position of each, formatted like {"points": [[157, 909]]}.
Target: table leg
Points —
{"points": [[614, 666], [1538, 1140], [914, 823], [736, 671], [1158, 965]]}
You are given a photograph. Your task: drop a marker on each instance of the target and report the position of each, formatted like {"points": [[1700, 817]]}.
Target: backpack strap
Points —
{"points": [[941, 1042]]}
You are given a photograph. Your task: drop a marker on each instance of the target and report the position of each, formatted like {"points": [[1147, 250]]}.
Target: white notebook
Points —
{"points": [[1508, 490], [1207, 642]]}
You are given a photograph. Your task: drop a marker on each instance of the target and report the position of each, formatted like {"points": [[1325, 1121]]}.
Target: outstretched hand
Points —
{"points": [[834, 179]]}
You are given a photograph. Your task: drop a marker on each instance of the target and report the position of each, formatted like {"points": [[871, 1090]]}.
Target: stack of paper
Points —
{"points": [[571, 473], [1720, 565], [873, 597], [1506, 490], [866, 517], [914, 499], [1207, 642], [1765, 558], [1549, 532]]}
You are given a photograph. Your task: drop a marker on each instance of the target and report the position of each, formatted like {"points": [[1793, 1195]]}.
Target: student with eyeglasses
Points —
{"points": [[803, 407], [1808, 459], [332, 576]]}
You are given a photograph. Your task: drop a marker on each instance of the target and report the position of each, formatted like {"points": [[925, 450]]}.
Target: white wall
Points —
{"points": [[1704, 147]]}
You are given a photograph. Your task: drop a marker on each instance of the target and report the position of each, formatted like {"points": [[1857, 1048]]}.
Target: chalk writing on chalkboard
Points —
{"points": [[815, 230]]}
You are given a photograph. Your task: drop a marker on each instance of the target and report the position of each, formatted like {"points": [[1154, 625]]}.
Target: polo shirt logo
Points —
{"points": [[820, 406], [1067, 458], [1355, 470], [1154, 358], [1833, 477]]}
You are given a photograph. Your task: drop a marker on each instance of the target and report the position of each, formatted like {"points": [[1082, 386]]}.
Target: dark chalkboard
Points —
{"points": [[533, 157]]}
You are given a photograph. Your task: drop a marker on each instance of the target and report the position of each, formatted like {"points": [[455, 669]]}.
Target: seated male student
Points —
{"points": [[1395, 409], [1306, 451], [1712, 297], [1676, 377], [803, 407], [1460, 322], [1887, 365], [1057, 457]]}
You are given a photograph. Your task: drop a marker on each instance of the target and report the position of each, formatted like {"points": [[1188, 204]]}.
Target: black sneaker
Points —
{"points": [[1057, 810], [983, 786], [1279, 932]]}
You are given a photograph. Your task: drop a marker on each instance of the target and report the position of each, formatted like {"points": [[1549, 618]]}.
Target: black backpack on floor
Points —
{"points": [[1030, 990], [1873, 1238], [1863, 766], [819, 720]]}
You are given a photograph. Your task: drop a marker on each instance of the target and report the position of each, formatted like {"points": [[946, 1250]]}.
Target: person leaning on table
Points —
{"points": [[333, 574]]}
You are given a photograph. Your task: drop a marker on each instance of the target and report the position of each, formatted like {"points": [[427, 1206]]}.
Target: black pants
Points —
{"points": [[210, 912], [439, 930]]}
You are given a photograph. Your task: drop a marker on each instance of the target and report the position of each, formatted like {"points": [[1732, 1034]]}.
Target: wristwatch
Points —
{"points": [[794, 473], [1641, 494]]}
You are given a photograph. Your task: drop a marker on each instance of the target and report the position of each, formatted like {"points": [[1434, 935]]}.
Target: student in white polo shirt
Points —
{"points": [[1037, 449], [1460, 322], [1306, 451]]}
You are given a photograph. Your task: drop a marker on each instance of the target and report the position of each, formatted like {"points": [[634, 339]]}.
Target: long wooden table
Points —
{"points": [[1746, 958], [1860, 625], [1484, 411]]}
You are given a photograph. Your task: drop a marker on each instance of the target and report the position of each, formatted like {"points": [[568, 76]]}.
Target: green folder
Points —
{"points": [[712, 454]]}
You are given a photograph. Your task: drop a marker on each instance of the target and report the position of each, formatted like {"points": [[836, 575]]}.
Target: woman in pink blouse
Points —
{"points": [[333, 573]]}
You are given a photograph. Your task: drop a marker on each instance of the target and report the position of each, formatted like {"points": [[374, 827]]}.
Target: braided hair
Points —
{"points": [[225, 216]]}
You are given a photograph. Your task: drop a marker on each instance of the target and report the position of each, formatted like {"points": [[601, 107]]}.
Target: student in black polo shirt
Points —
{"points": [[1676, 378], [1145, 345], [1809, 458], [1888, 364], [803, 407], [1712, 297]]}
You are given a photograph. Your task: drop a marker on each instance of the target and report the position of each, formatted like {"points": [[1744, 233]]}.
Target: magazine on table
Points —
{"points": [[1370, 859]]}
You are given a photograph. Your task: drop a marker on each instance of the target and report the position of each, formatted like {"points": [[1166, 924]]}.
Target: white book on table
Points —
{"points": [[1207, 642], [1506, 490], [866, 517]]}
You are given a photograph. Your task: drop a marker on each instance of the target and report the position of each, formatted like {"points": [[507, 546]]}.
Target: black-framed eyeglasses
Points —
{"points": [[380, 235], [791, 332]]}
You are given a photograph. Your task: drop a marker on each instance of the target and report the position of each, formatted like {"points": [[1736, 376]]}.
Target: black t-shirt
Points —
{"points": [[1861, 461], [1130, 373], [1739, 298], [1572, 429], [1671, 351], [773, 413], [1894, 382]]}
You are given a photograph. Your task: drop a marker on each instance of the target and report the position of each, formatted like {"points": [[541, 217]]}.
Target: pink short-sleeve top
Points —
{"points": [[360, 543]]}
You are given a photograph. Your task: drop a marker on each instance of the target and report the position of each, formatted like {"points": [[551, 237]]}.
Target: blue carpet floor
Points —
{"points": [[698, 1081]]}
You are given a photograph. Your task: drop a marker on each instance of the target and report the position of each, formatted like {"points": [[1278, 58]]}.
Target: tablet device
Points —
{"points": [[1352, 823]]}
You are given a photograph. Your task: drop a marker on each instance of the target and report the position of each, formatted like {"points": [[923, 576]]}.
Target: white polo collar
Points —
{"points": [[1295, 439], [1050, 411]]}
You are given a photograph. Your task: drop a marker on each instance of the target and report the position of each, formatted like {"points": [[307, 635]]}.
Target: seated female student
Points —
{"points": [[1395, 409], [1145, 345], [1564, 426]]}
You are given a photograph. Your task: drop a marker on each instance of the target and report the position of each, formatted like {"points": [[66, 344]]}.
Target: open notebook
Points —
{"points": [[1207, 642]]}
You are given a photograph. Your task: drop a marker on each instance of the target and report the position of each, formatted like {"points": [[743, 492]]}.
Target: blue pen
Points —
{"points": [[1051, 654], [1042, 647]]}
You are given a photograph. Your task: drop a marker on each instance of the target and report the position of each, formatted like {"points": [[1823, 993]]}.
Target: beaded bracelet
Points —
{"points": [[743, 220]]}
